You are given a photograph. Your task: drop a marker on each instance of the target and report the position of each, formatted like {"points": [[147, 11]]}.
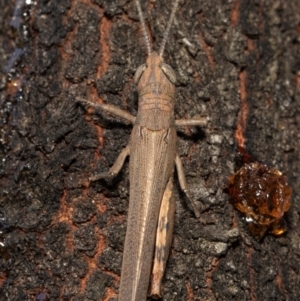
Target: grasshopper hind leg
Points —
{"points": [[183, 185], [163, 239]]}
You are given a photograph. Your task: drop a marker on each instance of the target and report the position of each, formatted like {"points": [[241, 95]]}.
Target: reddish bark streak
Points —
{"points": [[101, 245], [99, 130], [61, 292], [115, 219], [105, 26], [235, 13], [101, 204], [66, 48], [206, 48], [64, 216], [100, 139], [110, 294], [279, 281], [91, 267], [91, 261], [252, 274], [2, 279], [243, 113], [250, 44], [190, 292], [214, 265]]}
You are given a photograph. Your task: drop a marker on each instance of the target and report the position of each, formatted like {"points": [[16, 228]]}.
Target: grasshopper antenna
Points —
{"points": [[162, 48], [142, 20]]}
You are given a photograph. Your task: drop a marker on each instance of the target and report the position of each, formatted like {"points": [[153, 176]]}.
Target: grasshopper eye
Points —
{"points": [[169, 73], [140, 70]]}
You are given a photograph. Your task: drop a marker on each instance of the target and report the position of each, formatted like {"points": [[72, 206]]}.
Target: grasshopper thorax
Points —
{"points": [[156, 89]]}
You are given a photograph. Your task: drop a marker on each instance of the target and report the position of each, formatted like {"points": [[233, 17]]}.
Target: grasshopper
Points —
{"points": [[152, 150]]}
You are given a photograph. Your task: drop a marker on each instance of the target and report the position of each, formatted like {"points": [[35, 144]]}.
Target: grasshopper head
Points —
{"points": [[153, 70]]}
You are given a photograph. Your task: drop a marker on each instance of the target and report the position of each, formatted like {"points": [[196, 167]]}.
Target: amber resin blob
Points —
{"points": [[263, 195]]}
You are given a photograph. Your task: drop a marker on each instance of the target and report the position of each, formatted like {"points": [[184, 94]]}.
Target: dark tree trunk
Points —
{"points": [[237, 62]]}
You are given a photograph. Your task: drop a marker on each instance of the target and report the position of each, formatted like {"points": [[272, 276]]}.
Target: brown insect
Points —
{"points": [[152, 150]]}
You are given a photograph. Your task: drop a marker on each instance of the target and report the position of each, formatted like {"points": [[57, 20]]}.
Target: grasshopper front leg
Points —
{"points": [[108, 108], [115, 169]]}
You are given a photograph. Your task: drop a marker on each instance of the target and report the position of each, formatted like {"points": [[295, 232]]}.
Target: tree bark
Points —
{"points": [[237, 62]]}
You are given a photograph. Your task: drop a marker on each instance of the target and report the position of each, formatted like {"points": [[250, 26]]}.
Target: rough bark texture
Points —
{"points": [[236, 61]]}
